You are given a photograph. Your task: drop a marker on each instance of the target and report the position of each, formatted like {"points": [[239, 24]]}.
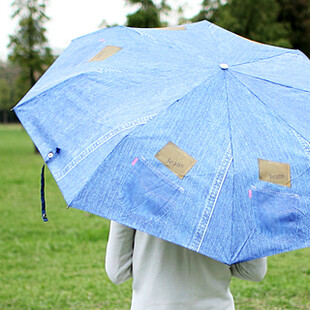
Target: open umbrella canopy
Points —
{"points": [[192, 134]]}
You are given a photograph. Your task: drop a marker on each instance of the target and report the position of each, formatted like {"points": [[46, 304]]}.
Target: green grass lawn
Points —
{"points": [[60, 264]]}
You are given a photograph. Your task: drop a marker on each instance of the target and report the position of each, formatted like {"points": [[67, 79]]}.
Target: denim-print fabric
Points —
{"points": [[116, 97], [278, 213], [146, 194]]}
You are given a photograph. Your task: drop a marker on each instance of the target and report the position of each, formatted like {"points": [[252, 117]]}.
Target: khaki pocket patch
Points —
{"points": [[274, 172], [175, 159]]}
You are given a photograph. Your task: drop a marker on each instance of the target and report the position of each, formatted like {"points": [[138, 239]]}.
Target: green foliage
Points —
{"points": [[296, 13], [255, 20], [278, 22], [10, 73], [29, 45], [209, 9], [148, 15], [144, 18], [4, 95], [59, 265]]}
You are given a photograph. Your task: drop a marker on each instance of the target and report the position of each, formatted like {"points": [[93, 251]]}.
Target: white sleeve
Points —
{"points": [[254, 270], [118, 260]]}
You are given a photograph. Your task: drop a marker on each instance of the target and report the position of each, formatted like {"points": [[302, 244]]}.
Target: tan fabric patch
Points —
{"points": [[105, 53], [175, 159], [274, 172], [173, 28]]}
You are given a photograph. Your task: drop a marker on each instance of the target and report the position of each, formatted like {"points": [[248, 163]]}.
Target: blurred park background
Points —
{"points": [[60, 264]]}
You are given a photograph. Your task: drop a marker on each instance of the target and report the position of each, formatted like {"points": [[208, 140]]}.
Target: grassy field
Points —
{"points": [[60, 264]]}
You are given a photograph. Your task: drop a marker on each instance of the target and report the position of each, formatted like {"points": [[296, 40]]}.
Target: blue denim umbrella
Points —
{"points": [[192, 134]]}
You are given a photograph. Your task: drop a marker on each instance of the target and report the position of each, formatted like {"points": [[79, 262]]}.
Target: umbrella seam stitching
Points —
{"points": [[215, 189], [99, 142], [215, 200]]}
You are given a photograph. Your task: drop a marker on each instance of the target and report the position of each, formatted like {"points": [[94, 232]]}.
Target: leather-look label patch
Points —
{"points": [[175, 159], [105, 53], [274, 172]]}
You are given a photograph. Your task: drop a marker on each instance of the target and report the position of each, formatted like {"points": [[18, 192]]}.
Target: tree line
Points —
{"points": [[283, 23]]}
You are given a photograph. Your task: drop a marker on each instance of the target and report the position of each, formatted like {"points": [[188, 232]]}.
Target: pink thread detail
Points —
{"points": [[250, 193], [135, 161], [102, 40]]}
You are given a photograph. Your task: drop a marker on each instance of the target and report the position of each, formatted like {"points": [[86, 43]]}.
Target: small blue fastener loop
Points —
{"points": [[44, 216]]}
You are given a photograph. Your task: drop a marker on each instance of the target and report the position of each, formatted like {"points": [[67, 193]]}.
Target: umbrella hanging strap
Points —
{"points": [[44, 217]]}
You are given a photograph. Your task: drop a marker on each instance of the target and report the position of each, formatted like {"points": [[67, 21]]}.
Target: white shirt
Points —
{"points": [[169, 277]]}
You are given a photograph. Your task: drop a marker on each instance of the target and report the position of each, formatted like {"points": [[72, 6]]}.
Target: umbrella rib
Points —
{"points": [[297, 134], [258, 60], [275, 83], [303, 141], [215, 43], [274, 112], [233, 258], [306, 146], [232, 154]]}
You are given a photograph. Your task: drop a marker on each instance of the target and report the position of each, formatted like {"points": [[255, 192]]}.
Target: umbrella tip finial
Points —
{"points": [[224, 66]]}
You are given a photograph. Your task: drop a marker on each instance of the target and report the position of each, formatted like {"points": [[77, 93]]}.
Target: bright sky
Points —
{"points": [[71, 18]]}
